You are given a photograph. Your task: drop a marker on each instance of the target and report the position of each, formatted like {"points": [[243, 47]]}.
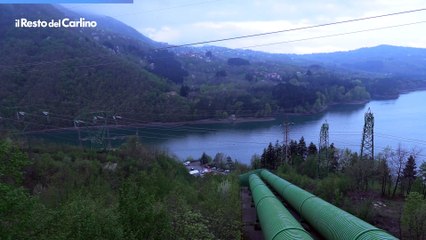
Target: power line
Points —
{"points": [[294, 29], [105, 56], [334, 35]]}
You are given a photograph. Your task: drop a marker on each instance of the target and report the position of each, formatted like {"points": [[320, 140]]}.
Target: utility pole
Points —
{"points": [[367, 144], [323, 145]]}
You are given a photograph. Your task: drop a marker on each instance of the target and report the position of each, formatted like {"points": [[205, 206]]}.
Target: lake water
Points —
{"points": [[399, 121]]}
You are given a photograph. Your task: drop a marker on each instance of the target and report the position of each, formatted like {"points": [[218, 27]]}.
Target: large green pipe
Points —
{"points": [[330, 221], [276, 221], [244, 178]]}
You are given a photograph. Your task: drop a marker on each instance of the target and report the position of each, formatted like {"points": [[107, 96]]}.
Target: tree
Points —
{"points": [[229, 163], [409, 172], [12, 162], [398, 159], [219, 160], [413, 219], [292, 152], [422, 176], [255, 162], [278, 150], [334, 161], [302, 150], [383, 172], [205, 159], [267, 159], [18, 214], [312, 149]]}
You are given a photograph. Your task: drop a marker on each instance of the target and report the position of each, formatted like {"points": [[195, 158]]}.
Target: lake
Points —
{"points": [[399, 121]]}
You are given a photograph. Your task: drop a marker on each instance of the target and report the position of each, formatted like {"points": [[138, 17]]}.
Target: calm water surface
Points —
{"points": [[400, 121]]}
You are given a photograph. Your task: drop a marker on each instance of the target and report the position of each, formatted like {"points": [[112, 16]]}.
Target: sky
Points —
{"points": [[187, 21]]}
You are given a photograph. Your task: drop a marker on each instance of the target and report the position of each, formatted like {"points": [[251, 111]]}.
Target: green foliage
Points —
{"points": [[83, 217], [221, 207], [413, 219], [363, 209], [141, 215], [409, 173], [12, 162], [271, 157], [20, 214], [147, 196], [422, 178], [333, 188]]}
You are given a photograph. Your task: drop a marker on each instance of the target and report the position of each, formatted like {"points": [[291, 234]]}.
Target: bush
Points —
{"points": [[413, 219]]}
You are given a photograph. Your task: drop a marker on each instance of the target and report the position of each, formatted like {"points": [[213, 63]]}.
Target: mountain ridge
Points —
{"points": [[115, 69]]}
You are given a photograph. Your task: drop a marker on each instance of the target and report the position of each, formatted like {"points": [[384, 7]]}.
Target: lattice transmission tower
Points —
{"points": [[323, 146], [367, 144], [93, 128]]}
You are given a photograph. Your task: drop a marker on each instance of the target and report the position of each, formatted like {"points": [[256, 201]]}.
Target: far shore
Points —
{"points": [[229, 120], [164, 124]]}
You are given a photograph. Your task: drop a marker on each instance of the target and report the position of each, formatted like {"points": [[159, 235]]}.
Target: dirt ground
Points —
{"points": [[251, 227]]}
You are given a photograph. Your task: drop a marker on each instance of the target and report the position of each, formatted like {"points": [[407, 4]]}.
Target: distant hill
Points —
{"points": [[383, 59]]}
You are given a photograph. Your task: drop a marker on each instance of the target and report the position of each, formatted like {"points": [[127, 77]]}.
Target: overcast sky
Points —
{"points": [[187, 21]]}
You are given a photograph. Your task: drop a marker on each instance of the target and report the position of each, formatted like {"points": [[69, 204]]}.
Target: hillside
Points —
{"points": [[74, 73]]}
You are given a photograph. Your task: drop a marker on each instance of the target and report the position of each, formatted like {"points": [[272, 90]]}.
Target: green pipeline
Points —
{"points": [[330, 221], [276, 221]]}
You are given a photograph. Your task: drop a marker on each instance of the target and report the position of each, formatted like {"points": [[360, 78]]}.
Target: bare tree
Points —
{"points": [[383, 170], [397, 161]]}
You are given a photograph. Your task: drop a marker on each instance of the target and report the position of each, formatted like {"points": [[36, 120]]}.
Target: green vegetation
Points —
{"points": [[414, 217], [364, 187], [131, 193]]}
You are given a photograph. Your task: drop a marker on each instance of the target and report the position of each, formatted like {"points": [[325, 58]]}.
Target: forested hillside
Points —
{"points": [[113, 68], [70, 71]]}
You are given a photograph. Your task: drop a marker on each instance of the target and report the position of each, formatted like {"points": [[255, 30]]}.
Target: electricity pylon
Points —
{"points": [[96, 129], [286, 132], [367, 144], [324, 136], [323, 145]]}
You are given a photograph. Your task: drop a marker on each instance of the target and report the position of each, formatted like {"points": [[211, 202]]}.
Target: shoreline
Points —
{"points": [[237, 120], [163, 124]]}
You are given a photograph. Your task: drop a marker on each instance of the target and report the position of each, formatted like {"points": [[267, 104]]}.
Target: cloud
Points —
{"points": [[176, 22], [163, 34]]}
